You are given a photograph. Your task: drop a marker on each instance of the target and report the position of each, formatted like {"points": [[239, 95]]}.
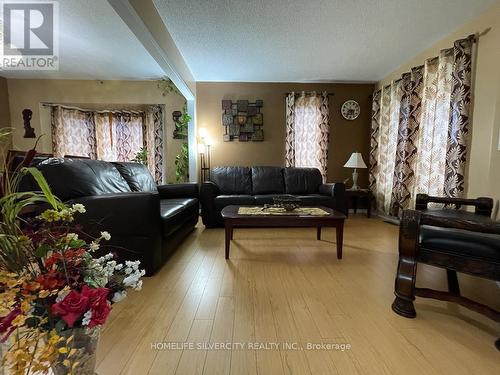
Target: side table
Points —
{"points": [[353, 197]]}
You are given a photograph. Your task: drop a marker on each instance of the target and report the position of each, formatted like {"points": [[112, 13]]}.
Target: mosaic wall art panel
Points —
{"points": [[242, 120]]}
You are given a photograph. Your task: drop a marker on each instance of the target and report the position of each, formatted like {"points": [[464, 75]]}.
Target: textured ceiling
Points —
{"points": [[308, 40], [96, 44]]}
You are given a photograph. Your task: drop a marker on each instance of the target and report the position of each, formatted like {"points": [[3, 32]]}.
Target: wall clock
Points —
{"points": [[350, 110]]}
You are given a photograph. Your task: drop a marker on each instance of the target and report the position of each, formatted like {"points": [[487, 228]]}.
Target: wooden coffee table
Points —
{"points": [[232, 219]]}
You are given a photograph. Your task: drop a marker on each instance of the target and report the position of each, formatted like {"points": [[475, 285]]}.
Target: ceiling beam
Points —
{"points": [[143, 19]]}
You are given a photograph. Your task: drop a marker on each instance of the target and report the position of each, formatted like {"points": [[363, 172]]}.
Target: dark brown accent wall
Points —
{"points": [[345, 136]]}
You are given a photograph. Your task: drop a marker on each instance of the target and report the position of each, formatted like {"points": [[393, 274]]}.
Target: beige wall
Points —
{"points": [[484, 160], [96, 94], [345, 136], [4, 118]]}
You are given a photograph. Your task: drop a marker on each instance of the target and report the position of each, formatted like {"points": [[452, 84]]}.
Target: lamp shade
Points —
{"points": [[355, 161]]}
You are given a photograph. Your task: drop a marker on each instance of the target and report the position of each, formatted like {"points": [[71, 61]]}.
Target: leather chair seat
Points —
{"points": [[460, 242], [222, 201], [175, 212], [316, 200]]}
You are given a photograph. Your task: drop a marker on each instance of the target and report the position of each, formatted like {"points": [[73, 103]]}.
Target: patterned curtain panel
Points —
{"points": [[458, 129], [290, 130], [119, 135], [153, 140], [73, 132], [323, 135], [308, 132], [374, 138], [420, 126]]}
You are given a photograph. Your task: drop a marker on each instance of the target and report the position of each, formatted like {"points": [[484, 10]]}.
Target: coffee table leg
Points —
{"points": [[318, 233], [340, 239], [229, 236]]}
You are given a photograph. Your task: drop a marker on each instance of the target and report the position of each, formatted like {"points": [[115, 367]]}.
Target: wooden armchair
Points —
{"points": [[453, 239]]}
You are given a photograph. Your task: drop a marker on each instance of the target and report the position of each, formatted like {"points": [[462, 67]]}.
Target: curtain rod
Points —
{"points": [[92, 110], [308, 92]]}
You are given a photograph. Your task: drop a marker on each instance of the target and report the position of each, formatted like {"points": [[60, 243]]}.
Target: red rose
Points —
{"points": [[71, 308], [100, 313], [95, 295]]}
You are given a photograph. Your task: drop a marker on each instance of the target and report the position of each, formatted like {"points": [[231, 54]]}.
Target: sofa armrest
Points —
{"points": [[337, 191], [187, 190], [208, 192], [128, 214]]}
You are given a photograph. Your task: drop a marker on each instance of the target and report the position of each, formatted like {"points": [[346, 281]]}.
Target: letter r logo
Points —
{"points": [[28, 28]]}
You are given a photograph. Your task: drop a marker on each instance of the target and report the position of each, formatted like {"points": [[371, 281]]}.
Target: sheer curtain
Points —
{"points": [[307, 131], [420, 126], [73, 132], [110, 135], [119, 135]]}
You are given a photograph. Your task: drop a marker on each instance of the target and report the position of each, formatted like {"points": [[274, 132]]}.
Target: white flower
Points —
{"points": [[128, 270], [105, 235], [94, 246], [86, 318], [138, 286], [118, 267], [118, 296], [78, 207], [71, 236]]}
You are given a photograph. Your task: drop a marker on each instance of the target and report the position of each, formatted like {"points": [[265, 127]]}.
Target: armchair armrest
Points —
{"points": [[460, 220], [187, 190], [483, 205], [336, 190]]}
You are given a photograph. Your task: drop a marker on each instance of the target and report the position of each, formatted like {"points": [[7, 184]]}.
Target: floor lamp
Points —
{"points": [[204, 151]]}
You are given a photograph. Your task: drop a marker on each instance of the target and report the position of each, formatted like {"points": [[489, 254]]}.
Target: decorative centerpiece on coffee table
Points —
{"points": [[289, 203]]}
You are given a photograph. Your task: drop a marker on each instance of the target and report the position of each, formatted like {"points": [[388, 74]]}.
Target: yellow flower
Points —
{"points": [[43, 293], [19, 320]]}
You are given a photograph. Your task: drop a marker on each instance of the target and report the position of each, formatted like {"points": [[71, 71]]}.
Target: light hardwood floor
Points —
{"points": [[282, 286]]}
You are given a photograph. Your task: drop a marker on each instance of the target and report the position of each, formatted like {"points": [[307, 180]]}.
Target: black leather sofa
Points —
{"points": [[258, 186], [146, 221]]}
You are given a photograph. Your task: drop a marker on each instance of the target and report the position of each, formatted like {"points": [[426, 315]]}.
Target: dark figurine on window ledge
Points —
{"points": [[29, 132]]}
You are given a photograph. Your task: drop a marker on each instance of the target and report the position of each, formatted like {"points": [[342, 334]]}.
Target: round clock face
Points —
{"points": [[350, 110]]}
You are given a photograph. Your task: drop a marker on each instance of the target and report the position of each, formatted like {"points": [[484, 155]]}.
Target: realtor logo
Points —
{"points": [[29, 35]]}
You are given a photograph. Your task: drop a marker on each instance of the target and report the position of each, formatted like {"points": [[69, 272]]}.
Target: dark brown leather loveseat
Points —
{"points": [[258, 186], [146, 221]]}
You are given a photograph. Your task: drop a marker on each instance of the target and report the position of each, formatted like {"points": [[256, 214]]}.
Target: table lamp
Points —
{"points": [[355, 161]]}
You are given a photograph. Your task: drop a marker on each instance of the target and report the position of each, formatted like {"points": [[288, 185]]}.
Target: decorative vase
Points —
{"points": [[85, 342]]}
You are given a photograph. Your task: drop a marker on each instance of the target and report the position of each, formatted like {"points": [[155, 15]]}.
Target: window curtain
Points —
{"points": [[110, 135], [307, 131], [73, 132], [119, 135], [419, 132], [154, 140]]}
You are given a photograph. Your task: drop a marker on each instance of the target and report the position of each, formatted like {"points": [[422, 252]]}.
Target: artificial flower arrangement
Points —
{"points": [[54, 294]]}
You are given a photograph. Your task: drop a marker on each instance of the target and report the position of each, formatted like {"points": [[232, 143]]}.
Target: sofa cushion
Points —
{"points": [[232, 180], [137, 176], [267, 198], [222, 201], [457, 241], [73, 178], [267, 180], [175, 212], [302, 180], [316, 200]]}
